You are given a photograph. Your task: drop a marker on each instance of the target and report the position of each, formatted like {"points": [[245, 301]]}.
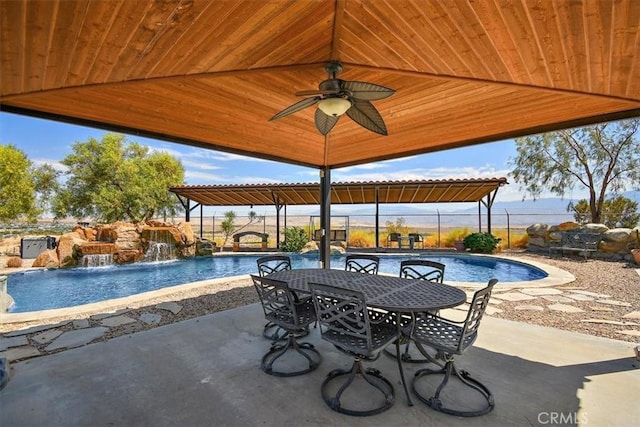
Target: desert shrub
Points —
{"points": [[455, 234], [484, 243], [361, 239], [431, 241], [513, 240], [14, 262], [294, 239], [520, 241], [396, 227]]}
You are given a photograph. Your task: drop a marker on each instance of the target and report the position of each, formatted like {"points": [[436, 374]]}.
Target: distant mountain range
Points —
{"points": [[551, 210]]}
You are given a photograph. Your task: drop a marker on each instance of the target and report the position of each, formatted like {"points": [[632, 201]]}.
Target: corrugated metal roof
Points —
{"points": [[429, 191]]}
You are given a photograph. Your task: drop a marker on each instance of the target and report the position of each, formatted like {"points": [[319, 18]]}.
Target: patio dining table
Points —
{"points": [[394, 294]]}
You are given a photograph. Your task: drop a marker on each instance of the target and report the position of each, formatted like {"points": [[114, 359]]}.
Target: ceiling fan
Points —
{"points": [[336, 97]]}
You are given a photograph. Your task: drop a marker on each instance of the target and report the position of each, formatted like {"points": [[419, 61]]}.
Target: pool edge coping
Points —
{"points": [[555, 277]]}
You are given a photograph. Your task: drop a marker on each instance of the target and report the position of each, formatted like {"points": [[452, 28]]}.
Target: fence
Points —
{"points": [[436, 226]]}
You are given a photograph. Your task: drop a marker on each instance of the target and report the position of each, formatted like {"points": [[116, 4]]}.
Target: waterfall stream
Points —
{"points": [[96, 260], [161, 247]]}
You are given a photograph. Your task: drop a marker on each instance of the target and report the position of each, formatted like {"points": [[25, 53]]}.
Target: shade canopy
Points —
{"points": [[211, 73], [429, 191]]}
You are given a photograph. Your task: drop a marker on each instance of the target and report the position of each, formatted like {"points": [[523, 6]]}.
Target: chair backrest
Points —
{"points": [[422, 269], [417, 237], [393, 237], [271, 264], [362, 263], [343, 317], [278, 303], [476, 311]]}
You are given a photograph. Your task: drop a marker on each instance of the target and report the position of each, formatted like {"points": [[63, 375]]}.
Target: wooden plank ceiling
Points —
{"points": [[430, 191], [211, 73]]}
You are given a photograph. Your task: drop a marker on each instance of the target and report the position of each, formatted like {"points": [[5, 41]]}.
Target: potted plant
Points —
{"points": [[459, 245], [484, 243]]}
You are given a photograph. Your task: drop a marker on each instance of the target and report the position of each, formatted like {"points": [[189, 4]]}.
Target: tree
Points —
{"points": [[602, 158], [228, 225], [115, 179], [616, 212], [397, 227], [47, 185], [17, 186]]}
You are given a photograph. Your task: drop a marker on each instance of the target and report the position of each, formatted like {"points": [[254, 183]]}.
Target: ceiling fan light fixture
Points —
{"points": [[334, 106]]}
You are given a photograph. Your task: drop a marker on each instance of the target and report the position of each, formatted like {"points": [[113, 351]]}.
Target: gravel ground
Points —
{"points": [[619, 280], [616, 279]]}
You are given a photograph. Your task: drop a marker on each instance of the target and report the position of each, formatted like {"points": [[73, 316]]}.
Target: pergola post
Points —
{"points": [[278, 206], [377, 218], [325, 217]]}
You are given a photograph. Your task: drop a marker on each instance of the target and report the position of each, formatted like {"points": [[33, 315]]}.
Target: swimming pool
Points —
{"points": [[37, 290]]}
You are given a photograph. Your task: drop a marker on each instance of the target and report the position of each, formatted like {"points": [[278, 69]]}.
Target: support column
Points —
{"points": [[377, 218], [325, 217], [278, 207], [489, 203]]}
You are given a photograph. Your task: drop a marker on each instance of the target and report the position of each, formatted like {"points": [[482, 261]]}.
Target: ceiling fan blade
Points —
{"points": [[325, 123], [367, 91], [296, 107], [366, 115], [317, 92]]}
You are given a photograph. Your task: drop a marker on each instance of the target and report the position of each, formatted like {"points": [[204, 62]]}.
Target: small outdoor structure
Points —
{"points": [[264, 238], [479, 190]]}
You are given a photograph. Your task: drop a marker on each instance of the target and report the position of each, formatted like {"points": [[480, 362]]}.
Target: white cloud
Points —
{"points": [[54, 164], [199, 165], [204, 178], [367, 166], [170, 151], [220, 156]]}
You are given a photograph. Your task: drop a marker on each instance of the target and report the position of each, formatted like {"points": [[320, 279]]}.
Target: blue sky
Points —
{"points": [[46, 141]]}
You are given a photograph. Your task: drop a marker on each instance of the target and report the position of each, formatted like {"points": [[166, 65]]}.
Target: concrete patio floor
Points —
{"points": [[206, 372]]}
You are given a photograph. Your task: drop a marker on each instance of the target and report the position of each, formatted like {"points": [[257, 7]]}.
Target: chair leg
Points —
{"points": [[409, 356], [371, 376], [449, 369], [277, 350], [274, 332]]}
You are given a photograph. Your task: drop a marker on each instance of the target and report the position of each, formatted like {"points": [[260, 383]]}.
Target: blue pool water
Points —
{"points": [[56, 288]]}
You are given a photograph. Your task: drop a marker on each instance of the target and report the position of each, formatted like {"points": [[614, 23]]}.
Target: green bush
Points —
{"points": [[484, 243], [294, 239]]}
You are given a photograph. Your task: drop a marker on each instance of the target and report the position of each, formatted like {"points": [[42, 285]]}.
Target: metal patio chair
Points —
{"points": [[449, 338], [393, 237], [281, 308], [267, 265], [362, 263], [419, 269], [422, 269], [417, 238], [345, 322], [272, 263]]}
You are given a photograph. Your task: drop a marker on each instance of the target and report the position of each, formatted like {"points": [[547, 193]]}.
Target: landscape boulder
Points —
{"points": [[47, 259]]}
